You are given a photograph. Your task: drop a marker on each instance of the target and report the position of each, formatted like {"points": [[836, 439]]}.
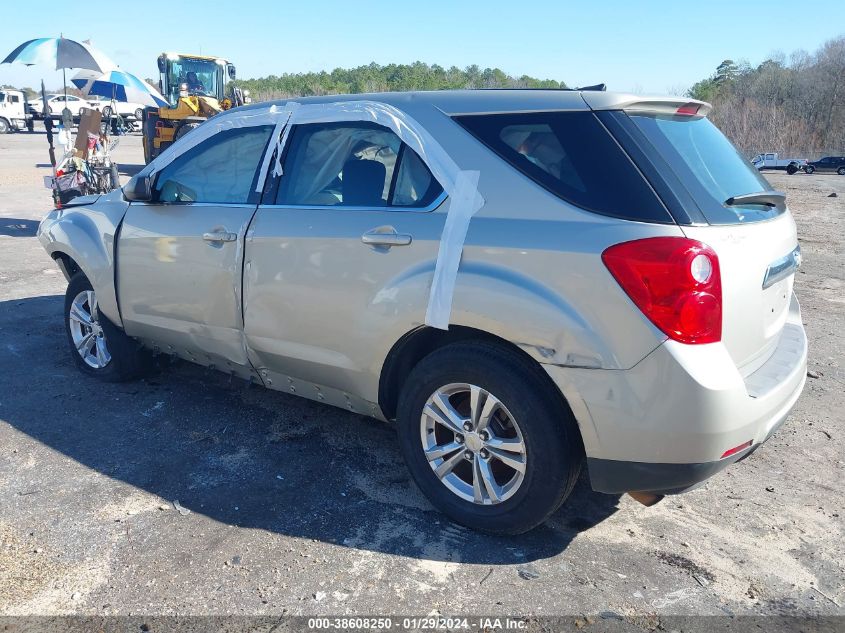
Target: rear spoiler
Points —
{"points": [[680, 106]]}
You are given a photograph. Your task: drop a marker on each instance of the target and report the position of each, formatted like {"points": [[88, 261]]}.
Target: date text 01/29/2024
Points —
{"points": [[430, 623]]}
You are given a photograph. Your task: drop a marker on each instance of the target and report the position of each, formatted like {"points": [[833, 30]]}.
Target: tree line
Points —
{"points": [[793, 105], [387, 78]]}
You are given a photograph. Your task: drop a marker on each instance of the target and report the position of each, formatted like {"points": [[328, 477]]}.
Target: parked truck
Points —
{"points": [[772, 160], [14, 113]]}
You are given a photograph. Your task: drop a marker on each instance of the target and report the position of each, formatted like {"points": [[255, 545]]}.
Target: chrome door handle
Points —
{"points": [[391, 238], [220, 236]]}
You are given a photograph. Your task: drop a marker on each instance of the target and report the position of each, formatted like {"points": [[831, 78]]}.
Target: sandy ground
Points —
{"points": [[290, 507]]}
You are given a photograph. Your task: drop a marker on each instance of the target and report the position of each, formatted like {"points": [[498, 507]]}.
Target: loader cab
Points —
{"points": [[193, 75]]}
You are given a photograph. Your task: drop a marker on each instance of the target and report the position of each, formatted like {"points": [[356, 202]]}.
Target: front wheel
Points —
{"points": [[809, 169], [841, 171], [99, 348], [486, 439], [5, 128]]}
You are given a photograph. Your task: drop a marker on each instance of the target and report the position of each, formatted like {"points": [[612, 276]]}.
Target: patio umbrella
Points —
{"points": [[61, 52], [118, 85]]}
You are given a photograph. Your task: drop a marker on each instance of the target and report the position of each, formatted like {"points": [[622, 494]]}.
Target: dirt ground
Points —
{"points": [[189, 493]]}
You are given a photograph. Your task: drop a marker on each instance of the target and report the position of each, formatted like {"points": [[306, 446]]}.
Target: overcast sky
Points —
{"points": [[640, 46]]}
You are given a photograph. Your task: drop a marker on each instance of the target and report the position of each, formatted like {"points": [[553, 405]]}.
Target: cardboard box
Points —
{"points": [[89, 121]]}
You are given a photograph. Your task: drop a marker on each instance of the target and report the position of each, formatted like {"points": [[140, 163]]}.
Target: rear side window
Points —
{"points": [[708, 166], [572, 155]]}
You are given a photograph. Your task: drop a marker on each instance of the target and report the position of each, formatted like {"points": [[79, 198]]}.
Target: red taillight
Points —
{"points": [[736, 449], [688, 109], [676, 283]]}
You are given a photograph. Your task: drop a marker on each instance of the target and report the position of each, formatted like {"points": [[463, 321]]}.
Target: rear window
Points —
{"points": [[708, 166], [572, 155]]}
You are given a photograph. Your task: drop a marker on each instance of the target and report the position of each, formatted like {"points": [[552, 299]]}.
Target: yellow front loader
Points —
{"points": [[195, 87]]}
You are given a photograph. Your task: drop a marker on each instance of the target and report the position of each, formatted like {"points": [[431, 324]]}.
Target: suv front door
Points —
{"points": [[180, 256]]}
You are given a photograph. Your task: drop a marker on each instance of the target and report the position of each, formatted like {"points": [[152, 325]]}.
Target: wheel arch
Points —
{"points": [[76, 243], [420, 342]]}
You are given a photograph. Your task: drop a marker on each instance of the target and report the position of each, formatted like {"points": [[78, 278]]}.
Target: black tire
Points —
{"points": [[5, 128], [553, 447], [841, 171], [809, 169], [106, 113], [139, 114], [128, 359], [184, 129], [791, 168]]}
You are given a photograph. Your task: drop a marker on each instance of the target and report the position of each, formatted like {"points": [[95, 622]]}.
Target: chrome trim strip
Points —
{"points": [[782, 268], [341, 207]]}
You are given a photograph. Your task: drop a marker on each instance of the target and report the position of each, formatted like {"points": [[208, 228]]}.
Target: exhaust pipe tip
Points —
{"points": [[648, 499]]}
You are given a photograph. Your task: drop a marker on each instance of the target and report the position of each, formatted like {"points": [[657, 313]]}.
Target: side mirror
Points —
{"points": [[231, 70], [139, 189], [162, 64]]}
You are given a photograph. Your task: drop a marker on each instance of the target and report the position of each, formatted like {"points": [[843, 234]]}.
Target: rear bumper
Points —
{"points": [[663, 425], [615, 477]]}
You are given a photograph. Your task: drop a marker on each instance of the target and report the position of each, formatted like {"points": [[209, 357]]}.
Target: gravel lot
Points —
{"points": [[189, 493]]}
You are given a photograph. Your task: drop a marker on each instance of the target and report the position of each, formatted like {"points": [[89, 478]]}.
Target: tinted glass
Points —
{"points": [[708, 165], [221, 169], [353, 164], [572, 155]]}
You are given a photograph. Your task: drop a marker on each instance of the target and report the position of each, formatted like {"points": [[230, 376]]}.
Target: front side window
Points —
{"points": [[573, 156], [353, 164], [222, 169]]}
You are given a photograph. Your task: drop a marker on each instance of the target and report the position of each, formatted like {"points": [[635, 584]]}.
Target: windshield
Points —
{"points": [[203, 77], [709, 166]]}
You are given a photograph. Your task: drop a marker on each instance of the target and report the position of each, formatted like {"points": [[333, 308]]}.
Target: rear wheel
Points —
{"points": [[139, 114], [99, 348], [107, 112], [485, 440]]}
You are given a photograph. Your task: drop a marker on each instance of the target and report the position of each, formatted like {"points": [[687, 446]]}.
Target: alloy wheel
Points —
{"points": [[86, 330], [473, 444]]}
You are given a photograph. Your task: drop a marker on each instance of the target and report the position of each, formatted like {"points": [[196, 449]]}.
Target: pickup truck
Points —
{"points": [[14, 113], [774, 161]]}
